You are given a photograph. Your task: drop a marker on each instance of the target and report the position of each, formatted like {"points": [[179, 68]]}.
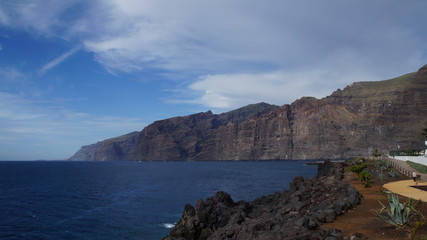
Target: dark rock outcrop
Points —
{"points": [[294, 214], [354, 121]]}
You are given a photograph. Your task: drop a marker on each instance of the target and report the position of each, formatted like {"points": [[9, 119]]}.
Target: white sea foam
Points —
{"points": [[168, 225]]}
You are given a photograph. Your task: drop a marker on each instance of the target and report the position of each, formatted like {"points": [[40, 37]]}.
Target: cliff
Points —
{"points": [[354, 121], [118, 148]]}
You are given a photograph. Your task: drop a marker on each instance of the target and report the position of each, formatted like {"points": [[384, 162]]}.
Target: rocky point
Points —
{"points": [[295, 214]]}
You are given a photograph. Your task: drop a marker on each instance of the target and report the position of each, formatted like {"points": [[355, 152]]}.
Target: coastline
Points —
{"points": [[294, 214], [356, 222]]}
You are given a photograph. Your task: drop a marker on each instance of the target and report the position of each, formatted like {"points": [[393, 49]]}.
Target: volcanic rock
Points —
{"points": [[294, 214]]}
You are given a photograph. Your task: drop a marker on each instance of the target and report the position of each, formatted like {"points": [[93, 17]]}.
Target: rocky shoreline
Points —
{"points": [[297, 213]]}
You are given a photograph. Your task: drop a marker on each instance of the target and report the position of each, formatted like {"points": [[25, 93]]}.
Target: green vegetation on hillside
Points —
{"points": [[377, 88], [406, 152], [417, 166]]}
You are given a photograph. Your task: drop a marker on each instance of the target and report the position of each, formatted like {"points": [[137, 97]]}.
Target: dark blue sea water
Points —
{"points": [[123, 200]]}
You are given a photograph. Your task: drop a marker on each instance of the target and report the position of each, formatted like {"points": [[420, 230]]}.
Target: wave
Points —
{"points": [[168, 225]]}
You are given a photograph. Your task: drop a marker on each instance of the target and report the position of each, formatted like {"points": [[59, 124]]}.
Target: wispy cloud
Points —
{"points": [[55, 62], [228, 38], [56, 131], [229, 91], [3, 17], [223, 37], [11, 74], [33, 17]]}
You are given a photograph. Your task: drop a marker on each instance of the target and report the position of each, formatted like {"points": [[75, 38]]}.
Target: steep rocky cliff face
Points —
{"points": [[119, 148], [356, 120]]}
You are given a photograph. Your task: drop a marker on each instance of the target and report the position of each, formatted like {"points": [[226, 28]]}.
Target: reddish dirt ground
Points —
{"points": [[362, 220]]}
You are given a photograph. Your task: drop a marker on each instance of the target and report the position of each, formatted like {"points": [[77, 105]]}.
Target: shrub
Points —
{"points": [[392, 173], [381, 172], [358, 168], [365, 177], [399, 214], [378, 164], [406, 152], [376, 153], [414, 229]]}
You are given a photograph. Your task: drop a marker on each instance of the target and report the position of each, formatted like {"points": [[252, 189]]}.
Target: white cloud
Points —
{"points": [[52, 130], [229, 91], [229, 37], [239, 40], [223, 37], [48, 66], [42, 17], [11, 74], [3, 17], [240, 52]]}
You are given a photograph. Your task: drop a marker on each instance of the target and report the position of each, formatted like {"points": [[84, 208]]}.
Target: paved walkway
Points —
{"points": [[405, 169], [419, 159], [404, 187]]}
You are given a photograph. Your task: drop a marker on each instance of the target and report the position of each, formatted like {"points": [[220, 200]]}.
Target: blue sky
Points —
{"points": [[74, 72]]}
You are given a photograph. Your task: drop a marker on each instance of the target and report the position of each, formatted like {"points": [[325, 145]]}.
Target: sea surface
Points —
{"points": [[123, 200]]}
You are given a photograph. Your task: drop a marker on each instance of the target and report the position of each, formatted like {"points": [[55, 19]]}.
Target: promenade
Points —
{"points": [[404, 187]]}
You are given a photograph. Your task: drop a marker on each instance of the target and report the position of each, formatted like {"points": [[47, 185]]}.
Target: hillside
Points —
{"points": [[354, 121]]}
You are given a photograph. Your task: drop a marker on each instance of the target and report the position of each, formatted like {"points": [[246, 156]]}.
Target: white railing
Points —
{"points": [[401, 166]]}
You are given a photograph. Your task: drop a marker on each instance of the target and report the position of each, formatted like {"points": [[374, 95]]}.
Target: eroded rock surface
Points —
{"points": [[294, 214]]}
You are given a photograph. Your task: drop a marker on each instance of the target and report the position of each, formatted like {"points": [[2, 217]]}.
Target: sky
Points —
{"points": [[75, 72]]}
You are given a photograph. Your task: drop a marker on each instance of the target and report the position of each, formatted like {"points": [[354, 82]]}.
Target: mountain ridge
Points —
{"points": [[362, 117]]}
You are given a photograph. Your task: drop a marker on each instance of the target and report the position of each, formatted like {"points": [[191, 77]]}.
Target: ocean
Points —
{"points": [[123, 200]]}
